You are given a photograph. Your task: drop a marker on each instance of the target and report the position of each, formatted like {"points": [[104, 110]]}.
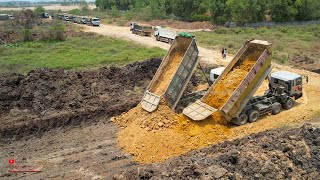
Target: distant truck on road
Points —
{"points": [[94, 22], [6, 17], [81, 19], [140, 30], [165, 35], [45, 15]]}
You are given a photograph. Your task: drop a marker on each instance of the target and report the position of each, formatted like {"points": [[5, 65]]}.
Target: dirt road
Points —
{"points": [[208, 56]]}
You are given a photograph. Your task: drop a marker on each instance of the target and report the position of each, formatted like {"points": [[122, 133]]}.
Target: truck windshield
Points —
{"points": [[298, 82]]}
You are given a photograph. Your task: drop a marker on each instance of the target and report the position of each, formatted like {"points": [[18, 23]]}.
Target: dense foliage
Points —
{"points": [[220, 11]]}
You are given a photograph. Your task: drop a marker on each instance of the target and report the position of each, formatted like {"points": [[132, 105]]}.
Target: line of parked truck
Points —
{"points": [[90, 21], [160, 32]]}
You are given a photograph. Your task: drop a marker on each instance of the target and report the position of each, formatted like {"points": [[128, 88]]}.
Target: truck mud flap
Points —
{"points": [[198, 111], [150, 101]]}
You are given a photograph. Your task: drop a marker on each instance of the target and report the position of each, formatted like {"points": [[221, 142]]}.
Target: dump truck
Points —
{"points": [[4, 16], [140, 30], [164, 35], [173, 74], [237, 104]]}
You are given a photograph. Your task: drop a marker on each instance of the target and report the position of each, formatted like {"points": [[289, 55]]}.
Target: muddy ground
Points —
{"points": [[46, 99], [274, 154]]}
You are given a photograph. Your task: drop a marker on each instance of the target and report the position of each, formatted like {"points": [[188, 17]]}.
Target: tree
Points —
{"points": [[84, 5], [39, 10], [307, 9], [245, 11], [283, 10], [218, 11]]}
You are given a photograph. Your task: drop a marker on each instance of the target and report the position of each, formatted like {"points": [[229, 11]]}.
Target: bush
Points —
{"points": [[75, 11], [115, 11], [27, 35], [57, 32]]}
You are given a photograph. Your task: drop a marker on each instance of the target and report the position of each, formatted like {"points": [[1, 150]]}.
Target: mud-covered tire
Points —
{"points": [[288, 104], [253, 116], [243, 119], [276, 108]]}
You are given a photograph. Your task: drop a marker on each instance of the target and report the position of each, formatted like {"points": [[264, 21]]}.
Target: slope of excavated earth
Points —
{"points": [[274, 154], [47, 99]]}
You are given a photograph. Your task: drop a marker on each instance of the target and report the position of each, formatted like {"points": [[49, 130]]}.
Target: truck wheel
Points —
{"points": [[276, 108], [243, 118], [253, 116], [157, 38], [288, 104]]}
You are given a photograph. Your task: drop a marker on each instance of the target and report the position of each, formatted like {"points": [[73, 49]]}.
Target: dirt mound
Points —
{"points": [[305, 61], [275, 154], [45, 98]]}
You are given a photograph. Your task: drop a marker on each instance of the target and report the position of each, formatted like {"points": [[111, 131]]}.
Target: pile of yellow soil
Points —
{"points": [[159, 119], [152, 143], [168, 72]]}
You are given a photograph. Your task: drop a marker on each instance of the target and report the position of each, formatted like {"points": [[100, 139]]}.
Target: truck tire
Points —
{"points": [[288, 104], [276, 108], [243, 118], [157, 38], [253, 116]]}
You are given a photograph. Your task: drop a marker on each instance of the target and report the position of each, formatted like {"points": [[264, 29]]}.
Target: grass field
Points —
{"points": [[288, 41], [75, 53]]}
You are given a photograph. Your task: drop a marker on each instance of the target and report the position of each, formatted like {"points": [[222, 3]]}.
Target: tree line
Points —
{"points": [[218, 11]]}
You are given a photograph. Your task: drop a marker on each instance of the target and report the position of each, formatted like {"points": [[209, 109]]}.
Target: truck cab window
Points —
{"points": [[299, 82]]}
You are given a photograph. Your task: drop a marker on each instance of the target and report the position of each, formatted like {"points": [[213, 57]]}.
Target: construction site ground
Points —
{"points": [[67, 123]]}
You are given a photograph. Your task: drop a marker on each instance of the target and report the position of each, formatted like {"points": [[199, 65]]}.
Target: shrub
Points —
{"points": [[27, 35]]}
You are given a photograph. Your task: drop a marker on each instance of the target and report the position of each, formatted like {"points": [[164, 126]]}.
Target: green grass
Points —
{"points": [[287, 41], [75, 53]]}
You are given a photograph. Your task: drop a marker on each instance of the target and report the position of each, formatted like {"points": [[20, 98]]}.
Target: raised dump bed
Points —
{"points": [[173, 74], [233, 89]]}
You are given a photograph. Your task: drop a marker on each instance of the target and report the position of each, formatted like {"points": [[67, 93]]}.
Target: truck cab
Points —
{"points": [[132, 25], [156, 30], [291, 82], [215, 73]]}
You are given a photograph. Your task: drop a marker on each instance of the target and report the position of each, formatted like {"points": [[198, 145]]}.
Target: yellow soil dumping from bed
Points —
{"points": [[157, 136], [223, 90], [168, 73]]}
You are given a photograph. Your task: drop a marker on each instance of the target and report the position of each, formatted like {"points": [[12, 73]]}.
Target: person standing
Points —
{"points": [[222, 53], [225, 53]]}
